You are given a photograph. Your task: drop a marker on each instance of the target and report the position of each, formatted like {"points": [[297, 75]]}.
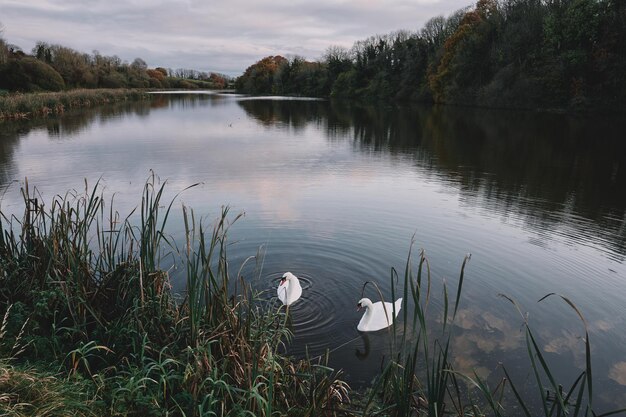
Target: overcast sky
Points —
{"points": [[223, 36]]}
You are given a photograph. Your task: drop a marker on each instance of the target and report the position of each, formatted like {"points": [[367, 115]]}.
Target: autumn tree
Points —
{"points": [[217, 80], [462, 65], [259, 77]]}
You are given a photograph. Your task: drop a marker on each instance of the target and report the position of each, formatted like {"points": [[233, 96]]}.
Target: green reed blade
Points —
{"points": [[520, 401]]}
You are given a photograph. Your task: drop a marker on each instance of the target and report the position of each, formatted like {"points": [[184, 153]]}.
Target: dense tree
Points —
{"points": [[54, 67], [505, 53], [338, 61], [259, 77], [464, 66]]}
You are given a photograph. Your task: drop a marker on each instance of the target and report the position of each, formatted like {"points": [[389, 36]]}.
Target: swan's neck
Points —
{"points": [[368, 315], [288, 288]]}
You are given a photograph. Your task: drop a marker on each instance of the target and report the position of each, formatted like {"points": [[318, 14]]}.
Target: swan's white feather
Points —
{"points": [[375, 318], [289, 292]]}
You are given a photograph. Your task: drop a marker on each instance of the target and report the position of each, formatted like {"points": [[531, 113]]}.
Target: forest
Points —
{"points": [[536, 54], [53, 67]]}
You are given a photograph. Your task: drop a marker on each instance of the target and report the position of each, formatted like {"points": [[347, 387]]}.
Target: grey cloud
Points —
{"points": [[225, 37]]}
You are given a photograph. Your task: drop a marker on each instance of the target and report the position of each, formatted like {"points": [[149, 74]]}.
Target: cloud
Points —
{"points": [[618, 373], [211, 36]]}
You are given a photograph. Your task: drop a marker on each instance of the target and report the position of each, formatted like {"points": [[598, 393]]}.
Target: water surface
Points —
{"points": [[334, 192]]}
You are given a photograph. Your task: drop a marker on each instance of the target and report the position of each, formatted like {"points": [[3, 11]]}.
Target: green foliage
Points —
{"points": [[345, 85], [30, 74], [113, 80]]}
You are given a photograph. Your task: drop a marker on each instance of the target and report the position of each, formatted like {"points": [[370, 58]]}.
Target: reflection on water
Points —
{"points": [[562, 175], [362, 355], [333, 191]]}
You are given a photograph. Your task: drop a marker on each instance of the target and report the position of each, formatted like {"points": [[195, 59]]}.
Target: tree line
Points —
{"points": [[52, 67], [502, 53]]}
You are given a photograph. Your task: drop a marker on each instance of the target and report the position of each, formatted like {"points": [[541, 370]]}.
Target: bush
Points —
{"points": [[113, 80], [30, 74]]}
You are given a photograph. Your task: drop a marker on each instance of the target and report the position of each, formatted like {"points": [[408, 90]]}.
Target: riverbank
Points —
{"points": [[90, 326], [29, 105]]}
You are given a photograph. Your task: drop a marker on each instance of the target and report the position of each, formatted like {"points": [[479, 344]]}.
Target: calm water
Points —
{"points": [[334, 192]]}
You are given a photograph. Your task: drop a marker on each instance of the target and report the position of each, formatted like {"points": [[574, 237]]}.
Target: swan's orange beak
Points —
{"points": [[282, 281], [358, 307]]}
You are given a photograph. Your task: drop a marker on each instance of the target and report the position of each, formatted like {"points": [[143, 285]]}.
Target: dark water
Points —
{"points": [[334, 192]]}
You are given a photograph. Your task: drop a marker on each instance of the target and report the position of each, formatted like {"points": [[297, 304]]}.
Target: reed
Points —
{"points": [[419, 379], [30, 105], [93, 290]]}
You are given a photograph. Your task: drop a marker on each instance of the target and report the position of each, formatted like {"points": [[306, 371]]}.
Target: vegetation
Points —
{"points": [[91, 327], [24, 106], [30, 74], [56, 67], [513, 53], [83, 295], [51, 70]]}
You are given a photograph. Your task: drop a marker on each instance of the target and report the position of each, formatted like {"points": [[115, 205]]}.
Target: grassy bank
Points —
{"points": [[90, 326], [26, 106]]}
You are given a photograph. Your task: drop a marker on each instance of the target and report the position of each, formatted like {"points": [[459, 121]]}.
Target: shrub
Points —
{"points": [[113, 80], [30, 74]]}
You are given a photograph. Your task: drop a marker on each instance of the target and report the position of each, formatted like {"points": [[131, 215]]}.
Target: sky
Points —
{"points": [[215, 36]]}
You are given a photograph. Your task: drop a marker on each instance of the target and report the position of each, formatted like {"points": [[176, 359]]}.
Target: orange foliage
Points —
{"points": [[258, 78], [438, 79], [153, 73], [268, 65], [217, 80]]}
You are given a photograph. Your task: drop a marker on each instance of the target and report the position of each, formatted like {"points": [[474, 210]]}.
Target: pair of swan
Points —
{"points": [[376, 316]]}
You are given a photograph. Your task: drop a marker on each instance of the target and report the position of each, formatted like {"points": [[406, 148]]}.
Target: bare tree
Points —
{"points": [[4, 50]]}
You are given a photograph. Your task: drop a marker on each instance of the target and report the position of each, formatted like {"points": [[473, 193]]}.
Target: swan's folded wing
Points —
{"points": [[282, 293], [297, 292]]}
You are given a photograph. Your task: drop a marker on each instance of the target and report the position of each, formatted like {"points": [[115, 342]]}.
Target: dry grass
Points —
{"points": [[30, 105], [28, 392]]}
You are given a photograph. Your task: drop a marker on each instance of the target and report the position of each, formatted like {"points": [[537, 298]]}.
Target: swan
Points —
{"points": [[289, 289], [375, 317]]}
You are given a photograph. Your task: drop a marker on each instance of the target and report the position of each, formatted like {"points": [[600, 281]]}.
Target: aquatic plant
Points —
{"points": [[420, 379]]}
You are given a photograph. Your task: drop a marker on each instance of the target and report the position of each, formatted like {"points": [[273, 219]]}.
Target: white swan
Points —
{"points": [[375, 317], [289, 289]]}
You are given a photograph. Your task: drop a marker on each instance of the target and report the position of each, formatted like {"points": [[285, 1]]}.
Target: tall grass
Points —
{"points": [[94, 292], [27, 106]]}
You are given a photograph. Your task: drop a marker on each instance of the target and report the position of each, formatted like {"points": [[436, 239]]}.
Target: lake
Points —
{"points": [[335, 192]]}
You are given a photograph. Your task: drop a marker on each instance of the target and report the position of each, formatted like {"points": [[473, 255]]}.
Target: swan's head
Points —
{"points": [[363, 303], [287, 276]]}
